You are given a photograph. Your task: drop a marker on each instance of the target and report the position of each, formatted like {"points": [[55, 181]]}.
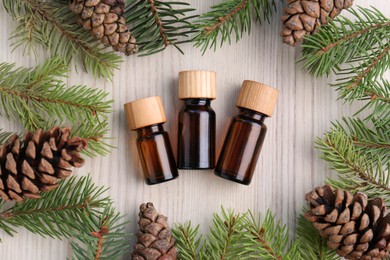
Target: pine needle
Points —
{"points": [[188, 240], [105, 238], [268, 239], [231, 18], [158, 24], [311, 244]]}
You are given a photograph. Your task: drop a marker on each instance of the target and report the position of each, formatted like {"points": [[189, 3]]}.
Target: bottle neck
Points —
{"points": [[251, 114], [150, 130], [197, 101]]}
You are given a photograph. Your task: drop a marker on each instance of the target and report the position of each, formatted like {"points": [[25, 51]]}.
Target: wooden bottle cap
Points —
{"points": [[197, 84], [258, 97], [145, 112]]}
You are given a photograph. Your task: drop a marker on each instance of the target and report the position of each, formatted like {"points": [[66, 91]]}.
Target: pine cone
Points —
{"points": [[155, 240], [104, 18], [36, 163], [356, 227], [305, 17]]}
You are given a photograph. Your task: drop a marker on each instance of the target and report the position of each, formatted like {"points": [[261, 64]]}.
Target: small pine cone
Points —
{"points": [[37, 162], [105, 20], [357, 228], [155, 240], [305, 17]]}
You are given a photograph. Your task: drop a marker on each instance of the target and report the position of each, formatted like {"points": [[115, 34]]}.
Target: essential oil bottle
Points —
{"points": [[246, 133], [146, 116], [196, 135]]}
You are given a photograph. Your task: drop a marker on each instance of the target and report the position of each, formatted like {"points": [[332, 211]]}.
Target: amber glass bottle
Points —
{"points": [[196, 135], [246, 133], [146, 116]]}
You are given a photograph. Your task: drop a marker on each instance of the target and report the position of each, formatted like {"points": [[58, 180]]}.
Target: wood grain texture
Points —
{"points": [[288, 166]]}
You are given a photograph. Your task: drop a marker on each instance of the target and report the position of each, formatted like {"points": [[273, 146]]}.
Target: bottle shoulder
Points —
{"points": [[151, 132], [249, 120], [197, 109], [152, 136]]}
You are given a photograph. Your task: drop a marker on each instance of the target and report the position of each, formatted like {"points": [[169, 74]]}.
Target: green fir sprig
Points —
{"points": [[361, 165], [230, 19], [188, 240], [235, 235], [55, 212], [358, 50], [39, 98], [159, 24], [268, 238], [377, 97], [77, 210], [368, 138], [52, 25], [225, 238], [105, 237], [311, 244]]}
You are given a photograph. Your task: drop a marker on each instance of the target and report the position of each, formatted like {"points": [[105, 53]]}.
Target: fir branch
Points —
{"points": [[358, 51], [225, 237], [311, 244], [373, 64], [39, 99], [267, 240], [157, 24], [223, 19], [106, 238], [378, 96], [96, 136], [228, 17], [57, 213], [373, 142], [187, 240], [76, 210], [345, 41], [52, 25], [356, 171], [235, 236]]}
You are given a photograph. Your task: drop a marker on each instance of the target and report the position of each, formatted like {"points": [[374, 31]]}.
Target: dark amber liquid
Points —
{"points": [[242, 146], [196, 141], [154, 147]]}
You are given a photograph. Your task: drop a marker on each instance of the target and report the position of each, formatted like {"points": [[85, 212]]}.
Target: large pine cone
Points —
{"points": [[305, 17], [356, 227], [36, 163], [155, 240], [104, 18]]}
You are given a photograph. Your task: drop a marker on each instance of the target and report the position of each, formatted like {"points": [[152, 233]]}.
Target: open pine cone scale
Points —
{"points": [[306, 17], [357, 228], [37, 162], [105, 20]]}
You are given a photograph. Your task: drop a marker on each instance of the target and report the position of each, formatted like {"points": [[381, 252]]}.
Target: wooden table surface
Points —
{"points": [[288, 166]]}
